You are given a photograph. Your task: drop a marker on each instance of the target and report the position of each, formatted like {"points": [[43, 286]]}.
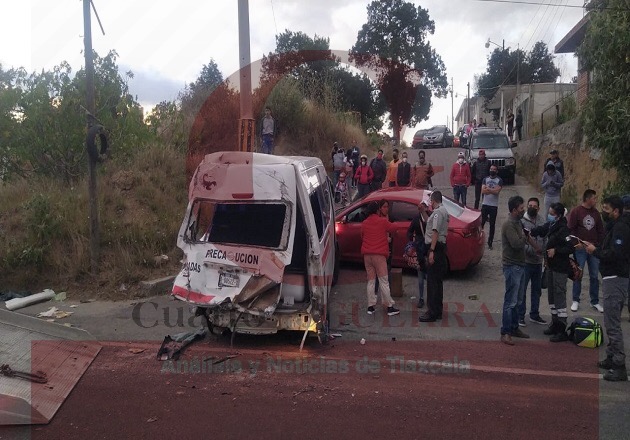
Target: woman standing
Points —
{"points": [[557, 254], [375, 250], [510, 124]]}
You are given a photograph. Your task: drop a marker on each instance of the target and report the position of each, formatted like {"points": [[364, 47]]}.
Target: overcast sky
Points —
{"points": [[165, 43]]}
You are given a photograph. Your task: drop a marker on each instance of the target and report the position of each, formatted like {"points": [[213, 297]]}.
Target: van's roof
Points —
{"points": [[242, 157]]}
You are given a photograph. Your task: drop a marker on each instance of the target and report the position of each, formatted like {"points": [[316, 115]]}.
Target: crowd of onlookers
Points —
{"points": [[351, 170], [543, 246]]}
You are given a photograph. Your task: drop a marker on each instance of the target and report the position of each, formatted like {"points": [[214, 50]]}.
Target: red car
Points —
{"points": [[464, 242]]}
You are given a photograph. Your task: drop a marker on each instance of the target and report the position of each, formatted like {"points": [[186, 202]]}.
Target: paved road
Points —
{"points": [[532, 390]]}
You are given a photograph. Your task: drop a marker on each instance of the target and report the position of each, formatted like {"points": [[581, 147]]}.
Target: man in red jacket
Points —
{"points": [[585, 222], [363, 176], [460, 179], [375, 250]]}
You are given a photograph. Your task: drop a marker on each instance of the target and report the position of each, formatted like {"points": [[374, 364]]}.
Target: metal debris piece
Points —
{"points": [[38, 376], [172, 346], [223, 359]]}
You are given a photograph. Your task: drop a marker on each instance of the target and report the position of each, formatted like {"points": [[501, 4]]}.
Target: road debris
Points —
{"points": [[152, 419], [136, 350], [55, 313], [223, 359], [38, 376], [18, 303], [172, 346], [304, 390], [362, 341], [61, 296]]}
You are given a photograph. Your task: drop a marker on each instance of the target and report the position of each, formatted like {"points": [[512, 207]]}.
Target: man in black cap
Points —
{"points": [[614, 257], [626, 212], [555, 160]]}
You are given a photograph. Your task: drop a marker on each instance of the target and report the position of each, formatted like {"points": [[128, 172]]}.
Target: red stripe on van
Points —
{"points": [[192, 296]]}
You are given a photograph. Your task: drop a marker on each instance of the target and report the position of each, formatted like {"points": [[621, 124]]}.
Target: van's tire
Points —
{"points": [[93, 132], [337, 267]]}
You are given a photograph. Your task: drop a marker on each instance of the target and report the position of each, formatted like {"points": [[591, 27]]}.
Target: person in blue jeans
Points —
{"points": [[585, 222], [533, 266], [513, 240], [415, 233]]}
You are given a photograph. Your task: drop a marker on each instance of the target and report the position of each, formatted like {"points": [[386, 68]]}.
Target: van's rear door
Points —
{"points": [[238, 236]]}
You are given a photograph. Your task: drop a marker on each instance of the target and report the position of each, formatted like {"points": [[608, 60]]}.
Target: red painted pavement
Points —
{"points": [[532, 390]]}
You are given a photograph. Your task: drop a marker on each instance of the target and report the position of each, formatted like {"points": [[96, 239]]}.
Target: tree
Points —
{"points": [[605, 51], [196, 93], [507, 67], [322, 79], [393, 43], [42, 117]]}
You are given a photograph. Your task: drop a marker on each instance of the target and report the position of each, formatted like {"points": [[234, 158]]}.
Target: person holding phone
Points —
{"points": [[614, 255], [585, 223]]}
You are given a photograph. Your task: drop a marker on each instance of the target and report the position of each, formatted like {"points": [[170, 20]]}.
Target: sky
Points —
{"points": [[166, 43]]}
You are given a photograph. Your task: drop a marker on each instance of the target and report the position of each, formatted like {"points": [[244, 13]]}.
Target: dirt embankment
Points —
{"points": [[583, 167]]}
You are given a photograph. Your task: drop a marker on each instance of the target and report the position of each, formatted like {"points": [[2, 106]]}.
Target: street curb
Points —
{"points": [[159, 286]]}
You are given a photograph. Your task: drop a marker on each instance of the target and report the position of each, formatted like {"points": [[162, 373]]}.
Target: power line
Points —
{"points": [[599, 8], [273, 12]]}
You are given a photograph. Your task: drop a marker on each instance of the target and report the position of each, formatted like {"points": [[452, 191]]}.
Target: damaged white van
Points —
{"points": [[259, 243]]}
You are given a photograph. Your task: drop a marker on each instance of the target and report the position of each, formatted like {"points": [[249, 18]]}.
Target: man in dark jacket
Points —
{"points": [[379, 168], [415, 234], [555, 160], [614, 257], [480, 170], [519, 124], [403, 176], [557, 254]]}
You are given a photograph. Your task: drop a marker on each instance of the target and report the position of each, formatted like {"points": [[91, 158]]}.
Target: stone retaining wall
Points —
{"points": [[582, 165]]}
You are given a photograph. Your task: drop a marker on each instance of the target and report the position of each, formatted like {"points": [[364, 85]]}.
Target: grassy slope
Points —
{"points": [[44, 226]]}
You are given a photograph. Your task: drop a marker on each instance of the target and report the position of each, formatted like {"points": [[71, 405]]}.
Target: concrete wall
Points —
{"points": [[582, 165], [476, 110]]}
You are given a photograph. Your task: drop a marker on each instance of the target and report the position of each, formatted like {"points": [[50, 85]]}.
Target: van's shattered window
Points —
{"points": [[249, 224]]}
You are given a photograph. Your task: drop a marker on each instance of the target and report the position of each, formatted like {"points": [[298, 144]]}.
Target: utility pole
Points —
{"points": [[452, 109], [247, 124], [468, 105], [95, 234]]}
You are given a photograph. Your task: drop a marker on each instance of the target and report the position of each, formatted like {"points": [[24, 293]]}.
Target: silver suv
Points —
{"points": [[498, 150]]}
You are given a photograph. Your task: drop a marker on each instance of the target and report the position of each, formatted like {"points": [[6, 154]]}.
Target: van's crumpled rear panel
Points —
{"points": [[247, 277]]}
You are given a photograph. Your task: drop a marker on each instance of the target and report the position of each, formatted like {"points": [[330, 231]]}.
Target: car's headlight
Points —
{"points": [[510, 161], [439, 136]]}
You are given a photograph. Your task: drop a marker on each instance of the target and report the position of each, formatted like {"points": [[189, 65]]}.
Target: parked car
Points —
{"points": [[498, 150], [437, 136], [418, 138], [465, 239]]}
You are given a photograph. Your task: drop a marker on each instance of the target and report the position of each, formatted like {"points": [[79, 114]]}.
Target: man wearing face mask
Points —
{"points": [[480, 170], [379, 169], [614, 258], [363, 177], [533, 266], [422, 173], [435, 239], [460, 179], [557, 253], [403, 175], [490, 189], [626, 213], [392, 170]]}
